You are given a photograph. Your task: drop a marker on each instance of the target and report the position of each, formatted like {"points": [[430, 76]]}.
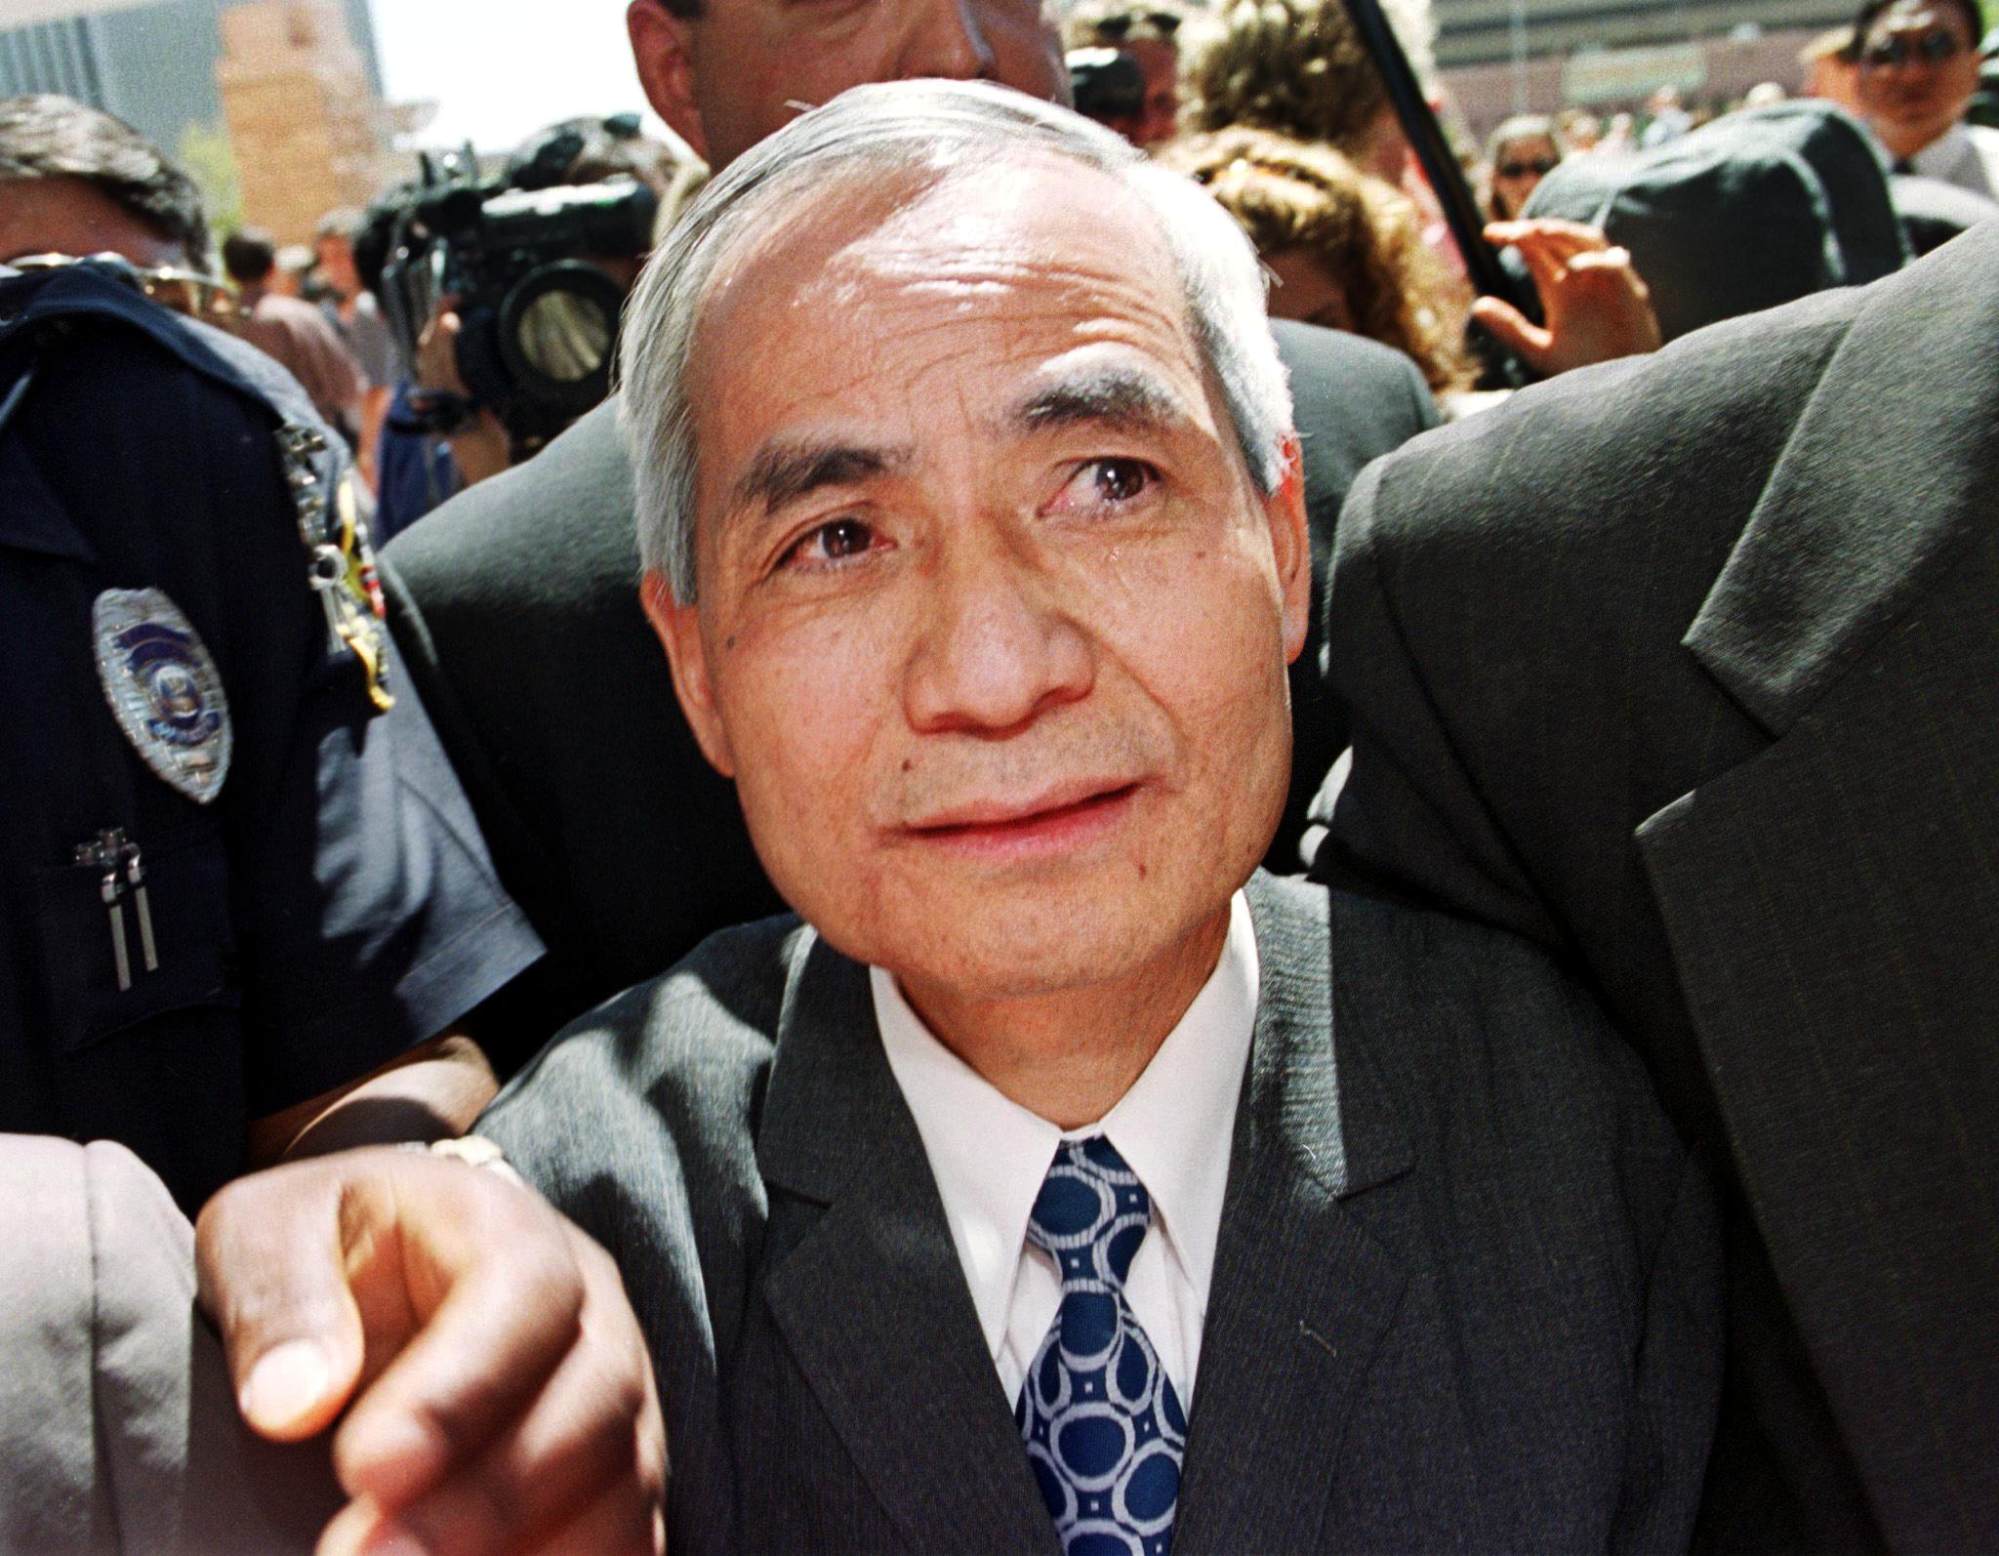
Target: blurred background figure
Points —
{"points": [[1765, 94], [292, 331], [290, 275], [1150, 35], [1984, 107], [352, 310], [1669, 118], [1518, 155], [1832, 69], [1108, 86], [1299, 68], [1344, 246], [1918, 70], [1578, 131]]}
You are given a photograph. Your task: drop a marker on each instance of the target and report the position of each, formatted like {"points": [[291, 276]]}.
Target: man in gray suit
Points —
{"points": [[1684, 669], [1043, 1187], [1055, 1181]]}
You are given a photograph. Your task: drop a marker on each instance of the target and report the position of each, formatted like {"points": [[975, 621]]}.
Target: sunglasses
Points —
{"points": [[1540, 168], [1932, 48], [1118, 27], [186, 292], [196, 296]]}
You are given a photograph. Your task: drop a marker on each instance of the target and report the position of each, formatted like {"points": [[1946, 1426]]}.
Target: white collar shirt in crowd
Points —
{"points": [[1173, 1128], [1966, 155]]}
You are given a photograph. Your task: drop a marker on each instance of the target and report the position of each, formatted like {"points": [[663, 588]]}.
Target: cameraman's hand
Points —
{"points": [[1597, 305], [480, 446], [436, 366], [506, 1402]]}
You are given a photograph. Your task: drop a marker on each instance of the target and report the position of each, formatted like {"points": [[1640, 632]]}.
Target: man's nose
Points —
{"points": [[996, 649], [950, 41]]}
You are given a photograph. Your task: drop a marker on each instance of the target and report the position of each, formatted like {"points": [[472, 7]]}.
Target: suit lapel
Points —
{"points": [[1302, 1295], [1833, 903], [1807, 591], [871, 1299]]}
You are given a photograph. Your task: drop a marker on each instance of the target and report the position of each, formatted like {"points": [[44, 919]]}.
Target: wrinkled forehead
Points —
{"points": [[1035, 237]]}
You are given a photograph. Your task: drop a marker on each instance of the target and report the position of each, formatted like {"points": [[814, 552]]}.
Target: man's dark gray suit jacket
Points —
{"points": [[516, 609], [1465, 1297], [1688, 668]]}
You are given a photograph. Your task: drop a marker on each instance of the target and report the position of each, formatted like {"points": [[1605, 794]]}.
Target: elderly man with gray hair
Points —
{"points": [[1055, 1179]]}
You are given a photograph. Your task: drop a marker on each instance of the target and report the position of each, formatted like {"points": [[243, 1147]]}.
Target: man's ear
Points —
{"points": [[663, 50], [1291, 542], [679, 629]]}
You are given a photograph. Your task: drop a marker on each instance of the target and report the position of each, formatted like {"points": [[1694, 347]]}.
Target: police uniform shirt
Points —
{"points": [[333, 904]]}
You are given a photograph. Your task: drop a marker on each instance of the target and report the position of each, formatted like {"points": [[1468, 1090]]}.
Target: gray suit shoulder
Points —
{"points": [[496, 545], [1689, 430], [648, 1102]]}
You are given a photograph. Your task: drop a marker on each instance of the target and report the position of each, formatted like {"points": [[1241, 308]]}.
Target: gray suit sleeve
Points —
{"points": [[118, 1426], [1407, 813]]}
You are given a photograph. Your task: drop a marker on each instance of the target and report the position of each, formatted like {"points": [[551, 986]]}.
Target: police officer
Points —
{"points": [[242, 899]]}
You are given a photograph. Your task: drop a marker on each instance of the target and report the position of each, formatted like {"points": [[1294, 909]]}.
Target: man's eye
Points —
{"points": [[829, 544], [1107, 483]]}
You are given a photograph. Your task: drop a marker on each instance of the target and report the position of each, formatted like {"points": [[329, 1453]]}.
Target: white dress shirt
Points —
{"points": [[1966, 155], [1173, 1128]]}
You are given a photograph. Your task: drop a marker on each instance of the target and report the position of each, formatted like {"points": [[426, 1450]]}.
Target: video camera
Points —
{"points": [[539, 322]]}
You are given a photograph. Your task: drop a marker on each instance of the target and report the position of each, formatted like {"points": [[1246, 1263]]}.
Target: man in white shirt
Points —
{"points": [[1918, 71], [1054, 1180]]}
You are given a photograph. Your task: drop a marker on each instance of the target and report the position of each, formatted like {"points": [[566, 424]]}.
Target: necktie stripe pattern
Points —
{"points": [[1103, 1426]]}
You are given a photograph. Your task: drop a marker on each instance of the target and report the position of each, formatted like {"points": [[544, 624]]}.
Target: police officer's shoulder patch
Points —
{"points": [[341, 562], [164, 689]]}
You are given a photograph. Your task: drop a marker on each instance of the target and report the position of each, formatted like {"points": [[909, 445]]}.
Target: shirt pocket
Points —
{"points": [[186, 881]]}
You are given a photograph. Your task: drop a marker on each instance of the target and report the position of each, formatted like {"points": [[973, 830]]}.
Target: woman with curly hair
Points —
{"points": [[1297, 67], [1345, 247]]}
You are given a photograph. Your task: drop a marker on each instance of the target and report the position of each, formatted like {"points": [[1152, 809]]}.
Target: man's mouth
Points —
{"points": [[1051, 822]]}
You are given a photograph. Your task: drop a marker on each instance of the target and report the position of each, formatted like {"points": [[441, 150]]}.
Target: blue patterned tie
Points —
{"points": [[1103, 1427]]}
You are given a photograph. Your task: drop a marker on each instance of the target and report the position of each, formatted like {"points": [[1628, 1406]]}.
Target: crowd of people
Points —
{"points": [[985, 890]]}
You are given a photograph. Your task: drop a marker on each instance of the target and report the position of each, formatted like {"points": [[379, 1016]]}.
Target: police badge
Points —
{"points": [[163, 689]]}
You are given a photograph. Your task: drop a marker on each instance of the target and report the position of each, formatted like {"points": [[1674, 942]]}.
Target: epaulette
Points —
{"points": [[330, 510]]}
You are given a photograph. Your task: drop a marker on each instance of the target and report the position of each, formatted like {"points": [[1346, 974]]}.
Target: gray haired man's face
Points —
{"points": [[992, 619]]}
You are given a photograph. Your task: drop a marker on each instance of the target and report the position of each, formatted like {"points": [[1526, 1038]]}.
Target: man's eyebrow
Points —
{"points": [[783, 472], [1116, 397]]}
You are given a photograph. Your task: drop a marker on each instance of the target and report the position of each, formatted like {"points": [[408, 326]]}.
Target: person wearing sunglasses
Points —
{"points": [[1150, 33], [1521, 152], [1918, 71]]}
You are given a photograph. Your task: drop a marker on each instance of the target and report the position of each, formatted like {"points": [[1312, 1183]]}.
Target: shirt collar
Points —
{"points": [[1173, 1127], [1941, 156]]}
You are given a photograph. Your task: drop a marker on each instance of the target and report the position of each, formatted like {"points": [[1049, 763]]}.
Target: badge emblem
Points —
{"points": [[341, 566], [163, 689]]}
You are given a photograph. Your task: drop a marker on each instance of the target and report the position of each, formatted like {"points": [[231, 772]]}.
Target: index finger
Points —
{"points": [[1559, 231], [489, 1265]]}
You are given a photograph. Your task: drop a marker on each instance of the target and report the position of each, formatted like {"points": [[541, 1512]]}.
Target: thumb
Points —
{"points": [[1513, 329], [272, 1276]]}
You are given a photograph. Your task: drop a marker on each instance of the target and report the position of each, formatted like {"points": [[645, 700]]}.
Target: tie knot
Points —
{"points": [[1091, 1214]]}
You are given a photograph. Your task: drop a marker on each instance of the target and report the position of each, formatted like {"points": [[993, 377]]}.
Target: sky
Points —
{"points": [[501, 69]]}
